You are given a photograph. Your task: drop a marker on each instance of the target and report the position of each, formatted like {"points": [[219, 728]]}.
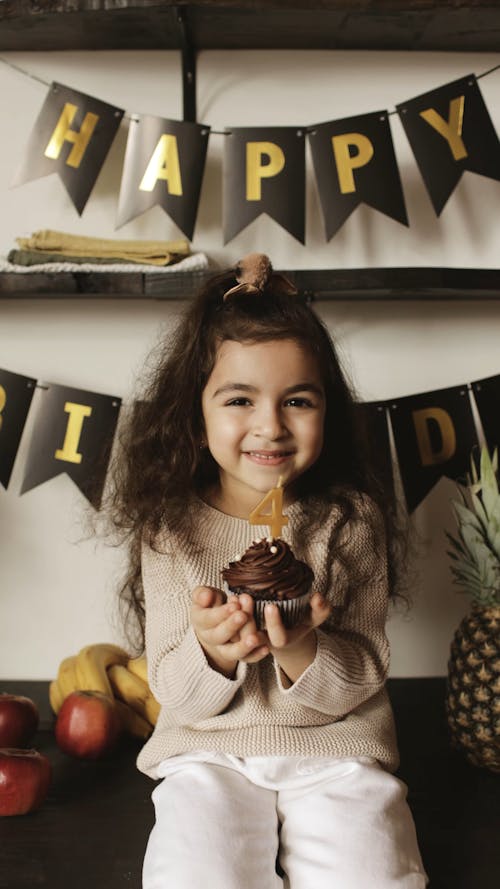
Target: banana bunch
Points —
{"points": [[109, 669]]}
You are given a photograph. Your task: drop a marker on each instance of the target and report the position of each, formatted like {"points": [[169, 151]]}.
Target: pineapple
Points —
{"points": [[473, 686]]}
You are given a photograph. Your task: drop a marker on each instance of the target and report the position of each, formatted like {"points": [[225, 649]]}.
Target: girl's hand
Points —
{"points": [[256, 642], [217, 625], [295, 649]]}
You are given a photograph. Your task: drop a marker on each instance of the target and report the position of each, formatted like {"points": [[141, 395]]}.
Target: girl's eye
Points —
{"points": [[238, 402], [296, 401]]}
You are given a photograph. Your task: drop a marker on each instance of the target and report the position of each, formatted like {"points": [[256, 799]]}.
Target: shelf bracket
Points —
{"points": [[188, 67]]}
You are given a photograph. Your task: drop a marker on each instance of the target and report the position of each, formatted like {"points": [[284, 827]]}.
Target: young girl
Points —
{"points": [[275, 747]]}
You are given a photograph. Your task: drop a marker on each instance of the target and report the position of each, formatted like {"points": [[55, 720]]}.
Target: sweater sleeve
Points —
{"points": [[352, 655], [179, 674]]}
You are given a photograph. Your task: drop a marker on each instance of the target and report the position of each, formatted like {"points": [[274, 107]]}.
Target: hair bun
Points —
{"points": [[254, 269], [252, 274]]}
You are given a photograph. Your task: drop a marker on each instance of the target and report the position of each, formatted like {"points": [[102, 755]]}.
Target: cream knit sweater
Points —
{"points": [[337, 707]]}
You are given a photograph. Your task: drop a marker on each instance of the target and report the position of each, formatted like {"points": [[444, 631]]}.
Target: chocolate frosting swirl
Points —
{"points": [[265, 574]]}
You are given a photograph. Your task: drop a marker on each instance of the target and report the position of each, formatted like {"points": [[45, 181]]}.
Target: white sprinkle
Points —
{"points": [[273, 549]]}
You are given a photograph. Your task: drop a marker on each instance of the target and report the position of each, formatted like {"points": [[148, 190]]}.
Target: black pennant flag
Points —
{"points": [[71, 136], [372, 420], [450, 131], [487, 397], [164, 164], [434, 433], [73, 433], [354, 163], [16, 393], [264, 172]]}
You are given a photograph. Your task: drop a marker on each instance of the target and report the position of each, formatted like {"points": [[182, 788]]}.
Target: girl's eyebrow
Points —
{"points": [[234, 387], [305, 387], [245, 387]]}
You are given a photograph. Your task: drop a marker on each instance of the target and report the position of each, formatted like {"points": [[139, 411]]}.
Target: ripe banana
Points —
{"points": [[131, 689], [133, 722], [56, 697], [108, 668], [92, 663], [139, 666], [67, 679]]}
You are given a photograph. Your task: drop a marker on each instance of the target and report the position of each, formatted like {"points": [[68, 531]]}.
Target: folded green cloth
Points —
{"points": [[63, 245], [38, 257]]}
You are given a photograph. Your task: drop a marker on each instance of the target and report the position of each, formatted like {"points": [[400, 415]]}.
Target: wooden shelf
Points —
{"points": [[99, 285], [396, 284], [453, 25]]}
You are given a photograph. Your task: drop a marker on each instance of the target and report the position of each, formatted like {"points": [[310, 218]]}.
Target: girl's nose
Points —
{"points": [[270, 423]]}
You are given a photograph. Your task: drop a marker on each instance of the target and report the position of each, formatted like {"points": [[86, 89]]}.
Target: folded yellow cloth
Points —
{"points": [[63, 244]]}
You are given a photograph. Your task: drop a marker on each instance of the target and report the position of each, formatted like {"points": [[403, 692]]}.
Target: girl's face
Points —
{"points": [[264, 409]]}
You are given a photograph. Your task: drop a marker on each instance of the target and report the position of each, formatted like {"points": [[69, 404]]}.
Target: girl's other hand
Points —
{"points": [[217, 625]]}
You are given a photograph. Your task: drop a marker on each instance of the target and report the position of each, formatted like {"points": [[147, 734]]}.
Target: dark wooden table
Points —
{"points": [[92, 830]]}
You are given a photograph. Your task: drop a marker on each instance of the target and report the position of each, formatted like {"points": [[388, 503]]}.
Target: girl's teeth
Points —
{"points": [[267, 457]]}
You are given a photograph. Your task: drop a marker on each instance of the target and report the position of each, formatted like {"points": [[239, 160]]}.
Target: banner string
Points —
{"points": [[23, 71], [214, 132], [46, 83], [487, 72], [383, 403]]}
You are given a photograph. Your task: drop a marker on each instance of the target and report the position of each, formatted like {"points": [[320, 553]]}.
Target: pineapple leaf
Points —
{"points": [[455, 544], [493, 529], [495, 543], [489, 485], [493, 540], [465, 517], [472, 586], [475, 549], [479, 508], [467, 576], [472, 538]]}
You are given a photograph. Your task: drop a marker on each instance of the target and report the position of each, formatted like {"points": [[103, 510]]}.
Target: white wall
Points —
{"points": [[57, 585]]}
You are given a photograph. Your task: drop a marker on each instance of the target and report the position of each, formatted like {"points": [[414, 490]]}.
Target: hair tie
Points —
{"points": [[254, 273]]}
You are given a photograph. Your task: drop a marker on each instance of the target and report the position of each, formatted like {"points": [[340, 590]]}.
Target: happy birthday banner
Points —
{"points": [[449, 130], [73, 432]]}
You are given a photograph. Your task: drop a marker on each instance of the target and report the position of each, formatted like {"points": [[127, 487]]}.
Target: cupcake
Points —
{"points": [[269, 572]]}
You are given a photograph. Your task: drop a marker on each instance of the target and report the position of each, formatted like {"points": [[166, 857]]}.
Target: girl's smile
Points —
{"points": [[269, 458], [263, 408]]}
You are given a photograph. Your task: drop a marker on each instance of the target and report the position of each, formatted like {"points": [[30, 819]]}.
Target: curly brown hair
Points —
{"points": [[159, 458]]}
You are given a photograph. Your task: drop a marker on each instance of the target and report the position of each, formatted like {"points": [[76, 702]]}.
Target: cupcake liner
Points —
{"points": [[291, 610]]}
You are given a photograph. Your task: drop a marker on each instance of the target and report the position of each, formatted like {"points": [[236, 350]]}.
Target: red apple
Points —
{"points": [[18, 720], [87, 725], [24, 780]]}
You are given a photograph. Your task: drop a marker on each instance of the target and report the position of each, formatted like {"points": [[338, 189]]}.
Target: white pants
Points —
{"points": [[223, 821]]}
